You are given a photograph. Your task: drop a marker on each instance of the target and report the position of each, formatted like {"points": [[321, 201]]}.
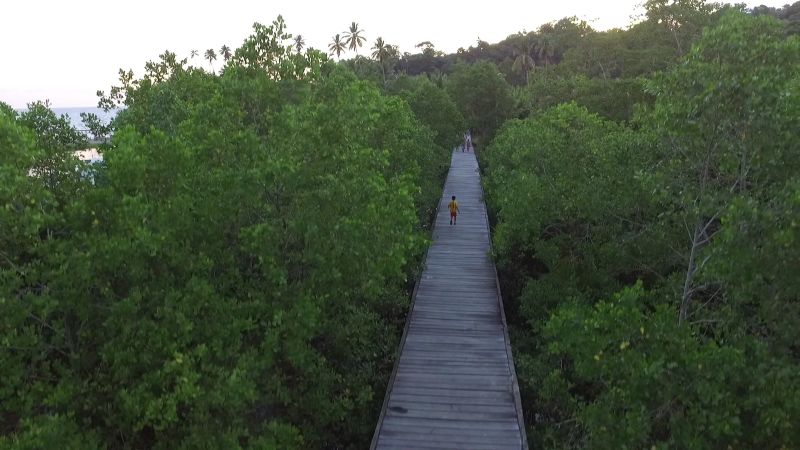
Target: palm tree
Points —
{"points": [[299, 43], [353, 37], [381, 51], [211, 56], [524, 59], [338, 46], [546, 48], [225, 51], [193, 54]]}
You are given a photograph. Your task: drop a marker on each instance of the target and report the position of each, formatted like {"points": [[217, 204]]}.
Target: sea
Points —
{"points": [[74, 114]]}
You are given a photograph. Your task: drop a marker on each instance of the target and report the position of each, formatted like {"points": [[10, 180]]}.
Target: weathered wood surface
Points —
{"points": [[454, 385]]}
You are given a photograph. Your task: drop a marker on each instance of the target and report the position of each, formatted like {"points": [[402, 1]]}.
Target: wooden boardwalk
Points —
{"points": [[454, 386]]}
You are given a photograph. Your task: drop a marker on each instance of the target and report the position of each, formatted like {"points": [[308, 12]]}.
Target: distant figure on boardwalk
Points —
{"points": [[453, 205]]}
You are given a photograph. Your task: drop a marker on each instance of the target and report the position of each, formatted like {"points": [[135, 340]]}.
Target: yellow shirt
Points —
{"points": [[453, 206]]}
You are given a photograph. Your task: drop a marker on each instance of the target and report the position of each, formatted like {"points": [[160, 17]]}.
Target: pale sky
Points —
{"points": [[65, 50]]}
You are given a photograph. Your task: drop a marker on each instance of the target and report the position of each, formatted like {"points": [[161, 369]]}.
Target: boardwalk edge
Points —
{"points": [[506, 338]]}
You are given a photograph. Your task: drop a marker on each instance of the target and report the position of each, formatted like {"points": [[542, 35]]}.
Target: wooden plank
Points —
{"points": [[482, 417], [455, 436], [409, 361], [451, 436], [448, 428], [455, 291], [460, 354], [456, 324], [451, 400], [455, 305], [432, 406], [450, 371], [463, 424], [444, 442], [496, 383], [453, 343], [448, 323], [495, 411], [487, 317], [454, 314], [439, 335], [455, 328], [454, 395], [447, 339]]}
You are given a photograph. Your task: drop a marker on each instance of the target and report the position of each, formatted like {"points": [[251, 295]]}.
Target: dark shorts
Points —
{"points": [[453, 214]]}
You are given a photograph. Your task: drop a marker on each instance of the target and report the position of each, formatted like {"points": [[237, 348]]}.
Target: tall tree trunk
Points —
{"points": [[677, 41], [691, 269], [603, 69]]}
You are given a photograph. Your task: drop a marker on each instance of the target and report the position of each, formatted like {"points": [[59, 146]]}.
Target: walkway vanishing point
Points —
{"points": [[454, 385]]}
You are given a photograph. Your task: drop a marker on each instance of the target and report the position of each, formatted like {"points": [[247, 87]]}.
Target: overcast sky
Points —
{"points": [[65, 50]]}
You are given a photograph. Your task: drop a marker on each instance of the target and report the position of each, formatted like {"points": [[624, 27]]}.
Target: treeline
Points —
{"points": [[235, 274], [567, 60], [650, 265], [656, 41]]}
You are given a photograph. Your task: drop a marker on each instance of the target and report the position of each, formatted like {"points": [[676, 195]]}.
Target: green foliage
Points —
{"points": [[483, 95], [57, 140], [217, 289], [561, 186], [614, 99], [680, 22], [649, 269], [51, 432], [7, 110], [30, 346], [723, 120], [365, 69], [659, 386], [757, 255], [99, 130], [269, 51], [433, 107], [664, 34]]}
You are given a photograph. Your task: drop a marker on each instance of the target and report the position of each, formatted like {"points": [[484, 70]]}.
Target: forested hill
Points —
{"points": [[641, 49], [237, 271], [600, 70]]}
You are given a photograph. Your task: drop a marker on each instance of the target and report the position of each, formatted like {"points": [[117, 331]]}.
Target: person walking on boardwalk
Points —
{"points": [[453, 205]]}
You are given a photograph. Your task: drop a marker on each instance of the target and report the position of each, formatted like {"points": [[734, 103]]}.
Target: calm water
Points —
{"points": [[75, 114]]}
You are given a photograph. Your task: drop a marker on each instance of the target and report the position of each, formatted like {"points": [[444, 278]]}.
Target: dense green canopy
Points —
{"points": [[651, 270], [237, 270]]}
